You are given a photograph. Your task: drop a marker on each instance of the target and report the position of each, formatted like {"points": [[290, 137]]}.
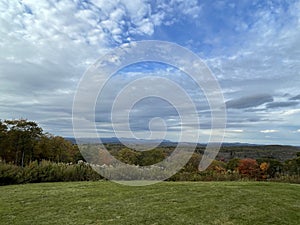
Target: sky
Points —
{"points": [[251, 47]]}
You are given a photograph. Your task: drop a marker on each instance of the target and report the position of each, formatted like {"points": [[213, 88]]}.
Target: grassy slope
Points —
{"points": [[164, 203]]}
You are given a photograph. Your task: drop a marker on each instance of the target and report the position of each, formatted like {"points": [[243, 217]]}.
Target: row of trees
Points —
{"points": [[23, 141]]}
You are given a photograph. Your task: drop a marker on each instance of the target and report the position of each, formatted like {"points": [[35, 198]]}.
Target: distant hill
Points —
{"points": [[228, 144], [228, 150], [115, 140], [278, 152], [141, 141]]}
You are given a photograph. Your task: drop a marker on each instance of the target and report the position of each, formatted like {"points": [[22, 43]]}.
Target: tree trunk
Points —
{"points": [[16, 159], [22, 162]]}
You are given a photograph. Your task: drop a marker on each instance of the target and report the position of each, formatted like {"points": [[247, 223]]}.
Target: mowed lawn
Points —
{"points": [[164, 203]]}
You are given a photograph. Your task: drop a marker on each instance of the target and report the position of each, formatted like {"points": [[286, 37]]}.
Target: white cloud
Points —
{"points": [[291, 112], [235, 131], [269, 131], [270, 50], [175, 9], [45, 44]]}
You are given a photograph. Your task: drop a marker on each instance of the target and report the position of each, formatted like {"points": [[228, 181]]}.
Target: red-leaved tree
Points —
{"points": [[249, 168]]}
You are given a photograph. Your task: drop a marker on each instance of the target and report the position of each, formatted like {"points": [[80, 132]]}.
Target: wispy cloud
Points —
{"points": [[297, 97], [249, 101], [269, 131], [281, 104], [291, 112], [235, 131]]}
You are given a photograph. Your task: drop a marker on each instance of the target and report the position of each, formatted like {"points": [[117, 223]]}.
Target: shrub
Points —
{"points": [[287, 179], [217, 166], [10, 174], [274, 169], [233, 164], [46, 171]]}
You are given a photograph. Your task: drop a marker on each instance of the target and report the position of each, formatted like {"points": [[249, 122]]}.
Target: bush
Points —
{"points": [[287, 179], [10, 174], [46, 171], [208, 175], [274, 169], [233, 164], [217, 166]]}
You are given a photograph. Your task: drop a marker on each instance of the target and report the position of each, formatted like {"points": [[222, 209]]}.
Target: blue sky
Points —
{"points": [[252, 47]]}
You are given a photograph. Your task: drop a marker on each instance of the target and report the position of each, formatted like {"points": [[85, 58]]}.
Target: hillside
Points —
{"points": [[279, 152]]}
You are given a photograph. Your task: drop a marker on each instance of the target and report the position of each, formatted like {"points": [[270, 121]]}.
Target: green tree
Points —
{"points": [[61, 150], [42, 149], [3, 134], [193, 163], [21, 139], [151, 157], [292, 166], [275, 167], [233, 164], [128, 156]]}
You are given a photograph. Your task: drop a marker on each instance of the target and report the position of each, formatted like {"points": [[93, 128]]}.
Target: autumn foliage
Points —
{"points": [[249, 168]]}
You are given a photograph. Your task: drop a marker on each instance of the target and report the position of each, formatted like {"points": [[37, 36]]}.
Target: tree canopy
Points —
{"points": [[23, 141]]}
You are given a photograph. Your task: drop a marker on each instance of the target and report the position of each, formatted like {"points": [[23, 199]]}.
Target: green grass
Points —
{"points": [[165, 203]]}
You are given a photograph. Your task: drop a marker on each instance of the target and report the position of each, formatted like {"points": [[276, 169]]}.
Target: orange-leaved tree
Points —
{"points": [[249, 168]]}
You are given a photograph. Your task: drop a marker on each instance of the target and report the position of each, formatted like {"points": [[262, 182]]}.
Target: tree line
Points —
{"points": [[23, 141]]}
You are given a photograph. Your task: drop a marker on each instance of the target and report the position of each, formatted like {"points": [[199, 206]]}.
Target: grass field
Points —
{"points": [[165, 203]]}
